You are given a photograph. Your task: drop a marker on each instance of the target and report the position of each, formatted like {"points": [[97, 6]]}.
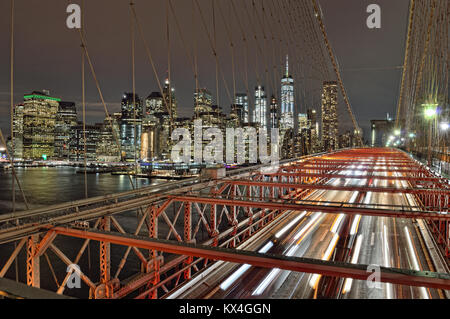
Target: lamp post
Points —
{"points": [[430, 113]]}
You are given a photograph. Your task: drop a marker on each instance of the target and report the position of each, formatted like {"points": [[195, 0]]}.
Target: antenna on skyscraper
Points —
{"points": [[287, 65]]}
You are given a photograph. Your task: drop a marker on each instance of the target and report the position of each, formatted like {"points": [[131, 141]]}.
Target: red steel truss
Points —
{"points": [[181, 228]]}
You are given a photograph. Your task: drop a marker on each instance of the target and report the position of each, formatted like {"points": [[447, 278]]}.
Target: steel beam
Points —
{"points": [[327, 268], [33, 262], [330, 176], [17, 290], [422, 191], [12, 257], [345, 208]]}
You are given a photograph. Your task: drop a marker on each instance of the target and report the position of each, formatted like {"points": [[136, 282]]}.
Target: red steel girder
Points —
{"points": [[423, 191], [356, 163], [327, 268], [33, 264], [298, 205], [371, 170], [329, 176]]}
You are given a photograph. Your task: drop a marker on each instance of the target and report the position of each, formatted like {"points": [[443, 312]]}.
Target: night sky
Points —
{"points": [[48, 55]]}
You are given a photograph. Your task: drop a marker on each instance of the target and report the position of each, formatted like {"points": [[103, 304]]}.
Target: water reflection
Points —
{"points": [[45, 186]]}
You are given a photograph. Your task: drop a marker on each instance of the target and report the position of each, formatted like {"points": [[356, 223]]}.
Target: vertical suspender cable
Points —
{"points": [[195, 55], [169, 70], [13, 188], [133, 72], [215, 49], [12, 103], [83, 99]]}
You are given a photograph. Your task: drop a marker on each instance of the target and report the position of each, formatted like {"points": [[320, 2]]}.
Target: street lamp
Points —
{"points": [[429, 112], [444, 126]]}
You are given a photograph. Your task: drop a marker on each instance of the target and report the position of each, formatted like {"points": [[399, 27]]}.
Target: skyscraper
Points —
{"points": [[302, 122], [236, 118], [314, 127], [287, 100], [329, 116], [92, 134], [107, 148], [18, 131], [273, 112], [260, 112], [171, 99], [154, 104], [203, 107], [131, 126], [39, 120], [242, 99], [66, 120]]}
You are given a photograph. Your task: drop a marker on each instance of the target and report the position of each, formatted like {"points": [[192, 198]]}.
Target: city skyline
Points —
{"points": [[247, 151], [372, 53]]}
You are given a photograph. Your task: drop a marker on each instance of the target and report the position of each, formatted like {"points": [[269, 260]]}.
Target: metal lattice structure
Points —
{"points": [[192, 224]]}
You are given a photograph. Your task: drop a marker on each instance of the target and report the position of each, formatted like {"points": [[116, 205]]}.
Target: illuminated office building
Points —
{"points": [[131, 126], [237, 117], [77, 142], [66, 119], [329, 116], [18, 131], [171, 100], [107, 148], [39, 121], [314, 128], [302, 122], [203, 107], [154, 104], [273, 112], [260, 112], [287, 100], [242, 99]]}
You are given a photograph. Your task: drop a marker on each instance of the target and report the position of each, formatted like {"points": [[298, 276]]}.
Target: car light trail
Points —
{"points": [[238, 273], [273, 273], [355, 224], [336, 223], [307, 226], [326, 256], [281, 232], [348, 281], [414, 261], [387, 262]]}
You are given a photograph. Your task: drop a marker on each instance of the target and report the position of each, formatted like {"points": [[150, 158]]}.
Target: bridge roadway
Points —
{"points": [[351, 219], [385, 241]]}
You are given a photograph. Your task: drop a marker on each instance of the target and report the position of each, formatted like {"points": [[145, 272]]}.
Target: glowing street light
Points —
{"points": [[430, 110], [444, 126]]}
